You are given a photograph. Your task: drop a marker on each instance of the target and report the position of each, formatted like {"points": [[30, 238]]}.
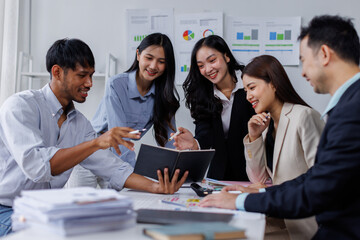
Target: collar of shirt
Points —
{"points": [[338, 94], [54, 104], [223, 98], [133, 91]]}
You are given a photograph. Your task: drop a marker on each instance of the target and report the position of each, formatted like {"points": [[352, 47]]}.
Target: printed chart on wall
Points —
{"points": [[251, 37], [142, 22], [189, 28], [243, 37]]}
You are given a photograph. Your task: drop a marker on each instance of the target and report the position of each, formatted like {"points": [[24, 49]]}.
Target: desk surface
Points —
{"points": [[253, 223]]}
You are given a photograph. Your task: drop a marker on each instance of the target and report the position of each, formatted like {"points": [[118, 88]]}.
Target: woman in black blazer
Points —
{"points": [[219, 107]]}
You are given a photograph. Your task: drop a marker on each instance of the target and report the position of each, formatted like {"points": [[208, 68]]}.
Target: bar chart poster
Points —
{"points": [[243, 36], [281, 39], [142, 22], [189, 28], [249, 37]]}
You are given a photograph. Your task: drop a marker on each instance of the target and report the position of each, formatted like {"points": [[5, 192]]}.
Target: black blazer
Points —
{"points": [[229, 160], [330, 189]]}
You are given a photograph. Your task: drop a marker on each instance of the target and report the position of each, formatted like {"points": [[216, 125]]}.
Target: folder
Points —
{"points": [[156, 216], [195, 231], [152, 158]]}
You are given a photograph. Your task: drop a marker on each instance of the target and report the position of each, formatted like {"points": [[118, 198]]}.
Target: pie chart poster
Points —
{"points": [[189, 28]]}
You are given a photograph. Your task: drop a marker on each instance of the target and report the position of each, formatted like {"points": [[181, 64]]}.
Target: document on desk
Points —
{"points": [[143, 200], [64, 197], [73, 211]]}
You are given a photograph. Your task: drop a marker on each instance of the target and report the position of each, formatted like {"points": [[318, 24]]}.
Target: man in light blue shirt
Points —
{"points": [[42, 135]]}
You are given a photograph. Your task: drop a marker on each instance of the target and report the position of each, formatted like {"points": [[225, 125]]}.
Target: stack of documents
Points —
{"points": [[73, 211]]}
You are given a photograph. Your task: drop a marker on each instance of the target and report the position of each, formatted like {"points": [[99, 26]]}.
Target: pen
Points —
{"points": [[173, 203], [233, 192], [138, 131], [172, 137]]}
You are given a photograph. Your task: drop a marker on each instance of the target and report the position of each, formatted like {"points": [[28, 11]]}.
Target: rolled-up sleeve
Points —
{"points": [[23, 138], [106, 164]]}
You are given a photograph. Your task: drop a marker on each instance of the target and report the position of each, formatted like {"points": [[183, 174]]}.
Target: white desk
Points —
{"points": [[253, 223]]}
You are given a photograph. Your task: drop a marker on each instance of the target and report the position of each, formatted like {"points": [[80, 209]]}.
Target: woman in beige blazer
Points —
{"points": [[283, 135]]}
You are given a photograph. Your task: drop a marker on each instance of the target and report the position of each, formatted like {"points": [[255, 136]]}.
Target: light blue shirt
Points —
{"points": [[123, 106], [338, 94], [240, 200], [30, 136]]}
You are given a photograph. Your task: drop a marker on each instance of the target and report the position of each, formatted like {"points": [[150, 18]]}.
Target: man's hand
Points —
{"points": [[167, 187], [225, 199], [114, 138], [220, 200]]}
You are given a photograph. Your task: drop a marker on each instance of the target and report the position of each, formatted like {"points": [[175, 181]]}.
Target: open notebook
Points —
{"points": [[152, 158]]}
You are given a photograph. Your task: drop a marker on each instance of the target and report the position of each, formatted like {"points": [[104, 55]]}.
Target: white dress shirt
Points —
{"points": [[227, 106]]}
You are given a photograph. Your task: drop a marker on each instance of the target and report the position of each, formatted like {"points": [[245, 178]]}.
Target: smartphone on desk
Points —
{"points": [[200, 191]]}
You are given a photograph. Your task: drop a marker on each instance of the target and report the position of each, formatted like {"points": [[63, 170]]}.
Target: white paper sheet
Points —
{"points": [[142, 22], [189, 28], [249, 37]]}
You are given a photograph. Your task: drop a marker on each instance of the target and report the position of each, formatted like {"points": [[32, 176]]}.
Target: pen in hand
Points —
{"points": [[138, 131], [172, 137]]}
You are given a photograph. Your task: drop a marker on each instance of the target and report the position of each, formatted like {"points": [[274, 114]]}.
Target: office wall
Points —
{"points": [[101, 24]]}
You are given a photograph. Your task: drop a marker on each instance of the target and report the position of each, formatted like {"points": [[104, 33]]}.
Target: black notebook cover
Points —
{"points": [[152, 158], [173, 217]]}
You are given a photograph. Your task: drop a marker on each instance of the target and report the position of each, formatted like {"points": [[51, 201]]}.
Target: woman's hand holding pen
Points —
{"points": [[184, 140], [257, 124]]}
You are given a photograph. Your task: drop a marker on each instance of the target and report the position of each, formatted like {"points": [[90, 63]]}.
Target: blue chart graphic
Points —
{"points": [[280, 36], [246, 50], [240, 36], [185, 68], [254, 35]]}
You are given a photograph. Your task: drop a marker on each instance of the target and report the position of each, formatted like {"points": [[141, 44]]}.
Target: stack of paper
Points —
{"points": [[73, 211]]}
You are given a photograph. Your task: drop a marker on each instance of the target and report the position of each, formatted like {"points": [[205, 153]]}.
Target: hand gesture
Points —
{"points": [[257, 124], [185, 140], [114, 137], [225, 199], [220, 200], [167, 187]]}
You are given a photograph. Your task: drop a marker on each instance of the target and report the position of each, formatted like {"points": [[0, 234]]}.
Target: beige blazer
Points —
{"points": [[296, 142]]}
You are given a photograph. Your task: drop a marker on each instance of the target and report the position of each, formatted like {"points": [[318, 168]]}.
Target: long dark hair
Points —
{"points": [[269, 69], [198, 90], [166, 97]]}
